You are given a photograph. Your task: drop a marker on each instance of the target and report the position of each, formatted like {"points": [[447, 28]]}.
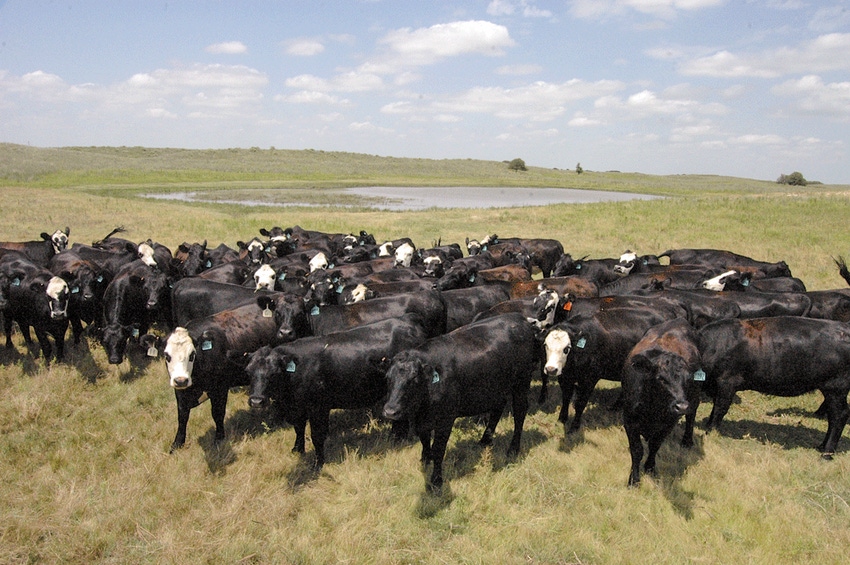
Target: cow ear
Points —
{"points": [[241, 245], [183, 248], [641, 364], [266, 303], [265, 232], [45, 236], [67, 230], [136, 280]]}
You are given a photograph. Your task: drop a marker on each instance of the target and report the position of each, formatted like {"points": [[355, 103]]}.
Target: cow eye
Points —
{"points": [[167, 357], [192, 357]]}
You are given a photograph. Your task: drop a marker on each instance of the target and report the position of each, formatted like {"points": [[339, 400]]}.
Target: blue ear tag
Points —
{"points": [[267, 250], [471, 278], [435, 378], [645, 262], [330, 266], [314, 311], [75, 290], [581, 342], [135, 332], [290, 367], [699, 375], [745, 282], [578, 266], [208, 264], [206, 345], [16, 282], [100, 278], [339, 289]]}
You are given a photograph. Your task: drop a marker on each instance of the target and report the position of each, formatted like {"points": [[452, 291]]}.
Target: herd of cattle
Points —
{"points": [[312, 321]]}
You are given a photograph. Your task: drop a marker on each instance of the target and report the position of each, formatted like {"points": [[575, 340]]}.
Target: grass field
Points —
{"points": [[84, 467]]}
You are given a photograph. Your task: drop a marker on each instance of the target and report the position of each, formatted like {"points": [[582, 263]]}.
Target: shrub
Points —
{"points": [[795, 179], [517, 165], [579, 170]]}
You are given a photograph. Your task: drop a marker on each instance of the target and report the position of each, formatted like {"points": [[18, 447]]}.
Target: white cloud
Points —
{"points": [[304, 47], [758, 140], [353, 81], [830, 18], [227, 48], [603, 9], [425, 46], [507, 8], [810, 95], [518, 70], [822, 54]]}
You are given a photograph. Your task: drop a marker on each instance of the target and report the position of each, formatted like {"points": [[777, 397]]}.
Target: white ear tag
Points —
{"points": [[153, 352], [267, 313]]}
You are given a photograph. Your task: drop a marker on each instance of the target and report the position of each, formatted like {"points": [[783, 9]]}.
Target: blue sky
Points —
{"points": [[751, 88]]}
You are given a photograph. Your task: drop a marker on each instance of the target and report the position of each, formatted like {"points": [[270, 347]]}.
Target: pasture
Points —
{"points": [[86, 474]]}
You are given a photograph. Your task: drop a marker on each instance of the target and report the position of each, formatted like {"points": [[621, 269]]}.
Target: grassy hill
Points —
{"points": [[83, 444]]}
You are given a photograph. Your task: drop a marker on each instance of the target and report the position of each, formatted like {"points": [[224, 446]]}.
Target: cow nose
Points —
{"points": [[679, 408], [256, 402], [180, 382], [391, 413], [550, 371], [286, 335]]}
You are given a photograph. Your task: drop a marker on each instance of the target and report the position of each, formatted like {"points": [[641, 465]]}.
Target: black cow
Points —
{"points": [[467, 372], [600, 271], [205, 358], [135, 298], [40, 252], [87, 284], [587, 348], [192, 258], [661, 382], [310, 376], [781, 356], [725, 260], [35, 299], [463, 304], [333, 318]]}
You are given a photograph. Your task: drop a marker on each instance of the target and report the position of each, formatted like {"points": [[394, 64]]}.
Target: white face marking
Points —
{"points": [[717, 283], [264, 277], [349, 241], [60, 240], [557, 346], [627, 263], [319, 261], [359, 293], [432, 263], [551, 305], [180, 358], [146, 254], [486, 240], [473, 247], [57, 290], [385, 249], [404, 255]]}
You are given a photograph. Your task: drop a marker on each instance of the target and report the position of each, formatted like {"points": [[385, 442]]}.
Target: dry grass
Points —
{"points": [[83, 445]]}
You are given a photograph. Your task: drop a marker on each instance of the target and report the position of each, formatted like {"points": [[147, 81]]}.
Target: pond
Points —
{"points": [[420, 198]]}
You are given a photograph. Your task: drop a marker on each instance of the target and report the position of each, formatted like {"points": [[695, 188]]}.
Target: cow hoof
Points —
{"points": [[827, 455], [175, 447]]}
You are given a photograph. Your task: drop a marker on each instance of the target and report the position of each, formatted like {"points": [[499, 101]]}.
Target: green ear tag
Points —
{"points": [[206, 345], [290, 367], [581, 342], [435, 377], [314, 311], [699, 375]]}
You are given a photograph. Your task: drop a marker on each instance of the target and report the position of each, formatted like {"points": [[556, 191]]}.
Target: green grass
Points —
{"points": [[83, 445]]}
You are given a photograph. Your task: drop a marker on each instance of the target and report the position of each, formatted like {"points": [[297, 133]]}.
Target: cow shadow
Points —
{"points": [[602, 412], [671, 464], [784, 435]]}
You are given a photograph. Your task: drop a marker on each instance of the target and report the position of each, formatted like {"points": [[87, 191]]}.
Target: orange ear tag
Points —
{"points": [[568, 306]]}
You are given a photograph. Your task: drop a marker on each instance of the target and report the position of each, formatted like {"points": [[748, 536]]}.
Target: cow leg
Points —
{"points": [[44, 343], [567, 388], [218, 406], [582, 396], [722, 402], [299, 424], [438, 451], [690, 418], [635, 449], [186, 400], [519, 407], [492, 421], [319, 424], [837, 415], [653, 445], [7, 328]]}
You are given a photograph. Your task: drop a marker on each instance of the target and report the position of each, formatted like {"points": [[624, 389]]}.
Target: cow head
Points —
{"points": [[253, 252], [267, 367], [404, 255], [59, 239], [196, 258], [545, 307], [146, 254], [407, 380], [114, 338], [662, 376], [459, 275], [290, 315], [627, 263], [319, 261], [720, 282], [557, 346], [434, 266], [179, 356], [264, 278], [386, 249], [322, 287], [57, 297], [360, 293], [473, 246]]}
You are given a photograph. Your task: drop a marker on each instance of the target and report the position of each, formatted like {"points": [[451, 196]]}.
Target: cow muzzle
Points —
{"points": [[679, 408], [180, 383]]}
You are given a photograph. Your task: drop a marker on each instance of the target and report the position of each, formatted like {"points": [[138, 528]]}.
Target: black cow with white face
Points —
{"points": [[661, 383], [37, 299], [309, 377], [205, 358], [587, 348], [40, 251], [470, 371], [87, 284]]}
